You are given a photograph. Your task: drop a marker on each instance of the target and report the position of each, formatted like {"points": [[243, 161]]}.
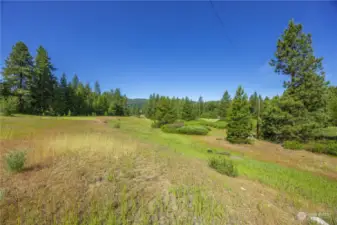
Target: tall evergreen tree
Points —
{"points": [[332, 105], [43, 81], [200, 106], [97, 88], [62, 96], [306, 87], [164, 113], [239, 124], [75, 82], [224, 106], [17, 74], [187, 110], [253, 102]]}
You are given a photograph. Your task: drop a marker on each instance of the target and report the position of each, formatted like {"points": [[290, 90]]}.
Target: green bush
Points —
{"points": [[172, 128], [155, 124], [324, 146], [223, 166], [15, 160], [8, 105], [218, 124], [197, 130], [294, 145], [332, 148], [180, 128], [315, 147]]}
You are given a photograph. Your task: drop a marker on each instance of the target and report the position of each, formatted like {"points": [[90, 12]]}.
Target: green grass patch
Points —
{"points": [[115, 124], [299, 183], [288, 180]]}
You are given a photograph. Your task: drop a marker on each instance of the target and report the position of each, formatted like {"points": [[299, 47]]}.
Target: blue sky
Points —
{"points": [[170, 48]]}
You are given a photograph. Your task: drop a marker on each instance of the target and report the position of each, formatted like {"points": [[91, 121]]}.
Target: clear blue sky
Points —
{"points": [[170, 48]]}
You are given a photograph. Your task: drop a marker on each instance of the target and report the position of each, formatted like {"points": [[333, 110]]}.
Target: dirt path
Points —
{"points": [[265, 151]]}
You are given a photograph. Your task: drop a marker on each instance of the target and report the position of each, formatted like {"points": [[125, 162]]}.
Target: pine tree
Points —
{"points": [[187, 110], [332, 105], [211, 109], [97, 88], [17, 74], [253, 102], [239, 124], [200, 106], [164, 113], [285, 118], [149, 108], [306, 87], [62, 98], [224, 106], [88, 100], [43, 82], [75, 82]]}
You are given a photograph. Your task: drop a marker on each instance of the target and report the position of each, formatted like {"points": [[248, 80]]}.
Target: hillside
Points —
{"points": [[87, 170]]}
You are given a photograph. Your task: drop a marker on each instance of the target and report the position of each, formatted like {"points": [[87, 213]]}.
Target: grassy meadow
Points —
{"points": [[88, 170]]}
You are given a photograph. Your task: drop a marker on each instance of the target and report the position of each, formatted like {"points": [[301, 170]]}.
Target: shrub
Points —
{"points": [[180, 128], [15, 160], [315, 147], [294, 145], [223, 166], [218, 124], [8, 105], [326, 146], [332, 148], [172, 128], [155, 124], [198, 130]]}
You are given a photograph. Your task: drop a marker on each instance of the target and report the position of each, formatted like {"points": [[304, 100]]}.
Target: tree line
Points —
{"points": [[308, 102], [29, 85]]}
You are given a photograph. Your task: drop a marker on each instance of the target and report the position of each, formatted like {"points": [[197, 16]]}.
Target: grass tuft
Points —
{"points": [[117, 125], [15, 160]]}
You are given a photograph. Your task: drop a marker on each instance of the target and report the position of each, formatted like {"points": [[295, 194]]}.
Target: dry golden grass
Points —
{"points": [[85, 172]]}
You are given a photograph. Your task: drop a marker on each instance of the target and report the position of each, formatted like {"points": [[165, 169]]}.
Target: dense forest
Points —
{"points": [[29, 85]]}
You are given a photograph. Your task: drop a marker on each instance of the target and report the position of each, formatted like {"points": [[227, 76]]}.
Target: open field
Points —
{"points": [[82, 170]]}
